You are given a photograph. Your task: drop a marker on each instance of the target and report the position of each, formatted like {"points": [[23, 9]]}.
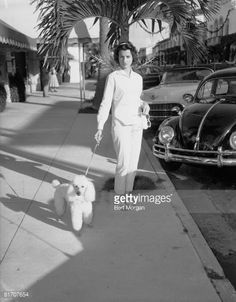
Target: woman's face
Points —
{"points": [[125, 59]]}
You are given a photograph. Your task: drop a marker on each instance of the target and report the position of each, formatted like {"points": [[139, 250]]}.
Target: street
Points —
{"points": [[209, 195]]}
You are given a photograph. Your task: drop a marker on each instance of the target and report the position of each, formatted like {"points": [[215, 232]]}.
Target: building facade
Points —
{"points": [[220, 39], [19, 64], [221, 33], [170, 51]]}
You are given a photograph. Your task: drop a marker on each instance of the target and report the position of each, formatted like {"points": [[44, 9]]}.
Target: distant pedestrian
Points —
{"points": [[53, 81], [44, 76], [122, 92]]}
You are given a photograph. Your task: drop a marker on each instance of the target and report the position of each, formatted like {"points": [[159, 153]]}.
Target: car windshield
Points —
{"points": [[148, 69], [185, 75], [217, 88]]}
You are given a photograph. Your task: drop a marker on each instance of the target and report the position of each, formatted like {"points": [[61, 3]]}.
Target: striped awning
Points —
{"points": [[12, 37]]}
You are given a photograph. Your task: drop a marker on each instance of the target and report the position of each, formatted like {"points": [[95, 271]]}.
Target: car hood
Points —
{"points": [[169, 93], [218, 121]]}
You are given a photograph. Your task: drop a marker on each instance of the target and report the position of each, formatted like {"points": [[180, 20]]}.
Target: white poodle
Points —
{"points": [[79, 195]]}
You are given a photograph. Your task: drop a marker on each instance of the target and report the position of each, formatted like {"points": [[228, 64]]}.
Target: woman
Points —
{"points": [[122, 92], [53, 82]]}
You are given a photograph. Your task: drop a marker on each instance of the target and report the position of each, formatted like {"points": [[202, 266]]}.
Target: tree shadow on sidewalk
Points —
{"points": [[30, 164], [28, 168]]}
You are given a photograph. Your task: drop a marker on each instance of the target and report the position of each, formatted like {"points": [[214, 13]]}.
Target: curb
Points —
{"points": [[211, 265]]}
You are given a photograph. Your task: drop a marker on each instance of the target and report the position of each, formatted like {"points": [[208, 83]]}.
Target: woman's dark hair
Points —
{"points": [[125, 46]]}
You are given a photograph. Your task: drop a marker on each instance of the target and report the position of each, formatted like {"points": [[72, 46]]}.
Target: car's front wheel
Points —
{"points": [[170, 166]]}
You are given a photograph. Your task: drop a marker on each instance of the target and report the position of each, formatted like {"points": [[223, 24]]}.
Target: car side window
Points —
{"points": [[205, 90], [232, 88], [222, 87]]}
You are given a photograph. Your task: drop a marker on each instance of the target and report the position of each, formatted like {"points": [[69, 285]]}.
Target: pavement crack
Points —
{"points": [[12, 189]]}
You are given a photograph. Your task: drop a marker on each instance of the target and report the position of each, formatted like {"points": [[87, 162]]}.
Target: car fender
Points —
{"points": [[224, 139], [172, 122]]}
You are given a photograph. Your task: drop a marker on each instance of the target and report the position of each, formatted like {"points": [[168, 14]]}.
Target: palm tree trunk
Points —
{"points": [[104, 68]]}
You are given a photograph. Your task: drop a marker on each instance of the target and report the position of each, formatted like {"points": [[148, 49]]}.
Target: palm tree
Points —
{"points": [[57, 18], [104, 69]]}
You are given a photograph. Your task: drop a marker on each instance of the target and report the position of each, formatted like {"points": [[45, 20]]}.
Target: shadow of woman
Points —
{"points": [[141, 182], [43, 212]]}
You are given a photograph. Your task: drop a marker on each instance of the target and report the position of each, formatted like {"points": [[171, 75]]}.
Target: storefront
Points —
{"points": [[229, 47], [19, 64]]}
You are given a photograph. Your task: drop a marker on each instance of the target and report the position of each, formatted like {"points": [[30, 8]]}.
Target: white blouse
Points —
{"points": [[122, 92]]}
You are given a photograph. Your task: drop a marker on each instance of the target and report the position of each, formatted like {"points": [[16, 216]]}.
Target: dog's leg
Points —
{"points": [[59, 204], [76, 216], [87, 212]]}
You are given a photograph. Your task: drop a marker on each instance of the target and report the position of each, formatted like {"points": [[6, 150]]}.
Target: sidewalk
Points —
{"points": [[154, 254]]}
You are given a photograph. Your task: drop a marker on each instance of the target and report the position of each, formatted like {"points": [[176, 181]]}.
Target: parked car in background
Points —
{"points": [[205, 132], [3, 97], [151, 75], [151, 80], [166, 99]]}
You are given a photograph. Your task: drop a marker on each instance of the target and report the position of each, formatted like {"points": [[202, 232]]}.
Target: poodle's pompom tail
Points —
{"points": [[55, 183]]}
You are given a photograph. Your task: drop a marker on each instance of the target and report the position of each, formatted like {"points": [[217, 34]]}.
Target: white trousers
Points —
{"points": [[127, 143]]}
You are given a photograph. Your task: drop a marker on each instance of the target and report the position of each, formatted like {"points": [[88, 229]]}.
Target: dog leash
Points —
{"points": [[91, 159]]}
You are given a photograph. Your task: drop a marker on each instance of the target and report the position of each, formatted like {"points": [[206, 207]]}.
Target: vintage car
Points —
{"points": [[205, 132], [151, 80], [151, 75], [166, 99]]}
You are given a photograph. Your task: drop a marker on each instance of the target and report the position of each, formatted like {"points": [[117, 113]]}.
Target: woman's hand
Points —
{"points": [[145, 108], [98, 136]]}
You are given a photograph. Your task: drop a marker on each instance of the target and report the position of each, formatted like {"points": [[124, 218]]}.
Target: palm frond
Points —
{"points": [[95, 20], [152, 9], [192, 36], [82, 9], [133, 5], [114, 34], [183, 20], [53, 36], [58, 17], [207, 7]]}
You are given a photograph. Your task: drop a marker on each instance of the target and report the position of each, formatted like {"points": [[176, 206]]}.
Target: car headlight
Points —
{"points": [[177, 110], [232, 140], [166, 134], [188, 98]]}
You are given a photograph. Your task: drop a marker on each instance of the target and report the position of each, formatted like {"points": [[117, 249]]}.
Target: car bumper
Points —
{"points": [[217, 158]]}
